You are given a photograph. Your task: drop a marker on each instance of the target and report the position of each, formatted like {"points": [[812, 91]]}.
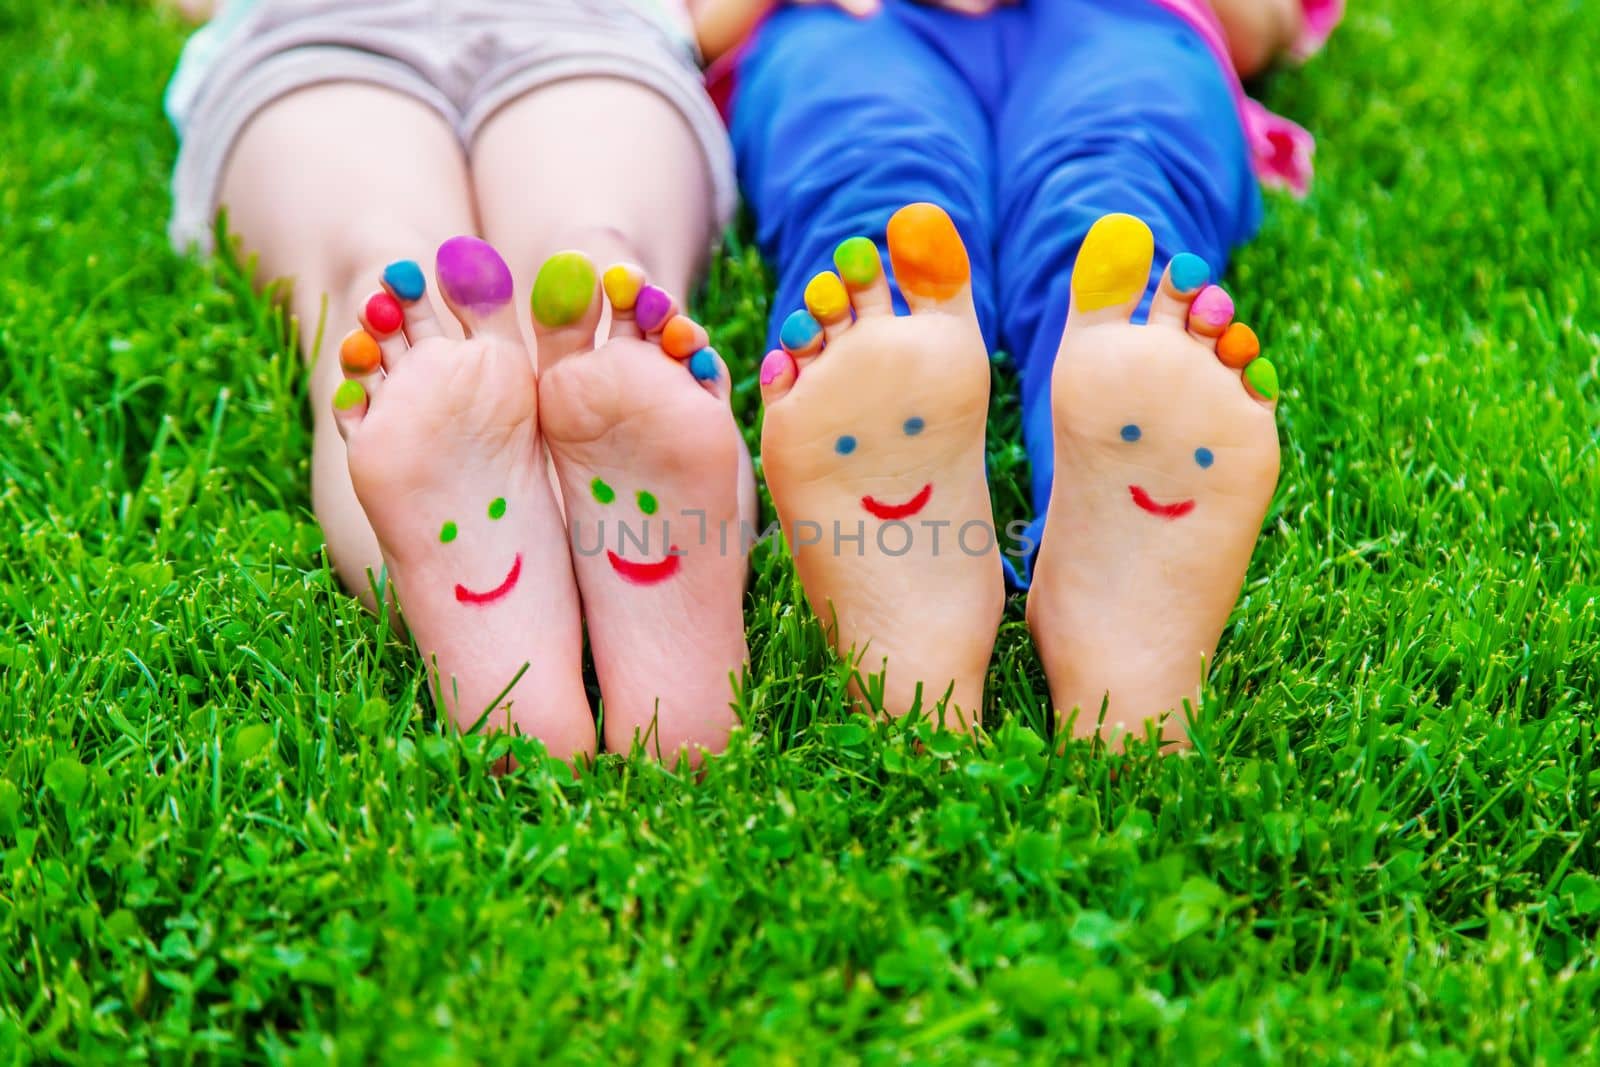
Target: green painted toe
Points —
{"points": [[1262, 378], [563, 290], [858, 262]]}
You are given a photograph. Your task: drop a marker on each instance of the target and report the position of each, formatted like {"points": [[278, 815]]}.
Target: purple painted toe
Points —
{"points": [[653, 308], [472, 275]]}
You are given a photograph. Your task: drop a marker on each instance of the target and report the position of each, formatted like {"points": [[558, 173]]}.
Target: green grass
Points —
{"points": [[230, 830]]}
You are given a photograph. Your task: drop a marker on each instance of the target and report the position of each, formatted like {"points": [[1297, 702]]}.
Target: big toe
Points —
{"points": [[476, 285], [930, 261], [1112, 270], [566, 307]]}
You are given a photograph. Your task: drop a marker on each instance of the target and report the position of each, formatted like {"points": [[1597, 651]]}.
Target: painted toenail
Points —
{"points": [[1238, 345], [1204, 457], [348, 395], [857, 262], [359, 353], [405, 280], [472, 275], [914, 426], [497, 507], [622, 284], [845, 445], [653, 308], [1114, 263], [602, 492], [1131, 433], [1262, 378], [1189, 272], [1213, 307], [926, 252], [383, 314], [826, 298], [563, 289], [775, 365], [703, 365], [447, 533], [682, 337], [799, 331], [647, 502]]}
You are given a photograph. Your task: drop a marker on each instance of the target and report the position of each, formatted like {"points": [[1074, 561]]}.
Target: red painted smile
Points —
{"points": [[1166, 511], [890, 512], [467, 596], [646, 573]]}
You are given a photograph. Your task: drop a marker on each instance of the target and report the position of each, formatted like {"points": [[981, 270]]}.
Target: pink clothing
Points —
{"points": [[1282, 148]]}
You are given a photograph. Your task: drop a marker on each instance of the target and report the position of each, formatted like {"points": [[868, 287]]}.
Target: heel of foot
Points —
{"points": [[563, 290], [928, 255], [1114, 263]]}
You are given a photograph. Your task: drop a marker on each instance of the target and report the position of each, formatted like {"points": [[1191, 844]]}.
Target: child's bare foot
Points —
{"points": [[1259, 31], [1166, 459], [873, 450], [444, 450], [650, 465]]}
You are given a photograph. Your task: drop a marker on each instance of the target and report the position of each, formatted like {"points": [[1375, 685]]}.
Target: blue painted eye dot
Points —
{"points": [[845, 445], [914, 426], [1131, 432], [1204, 457]]}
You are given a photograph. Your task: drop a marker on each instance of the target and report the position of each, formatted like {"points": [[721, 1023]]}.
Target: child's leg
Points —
{"points": [[638, 190], [328, 186], [641, 442], [1161, 463], [874, 443], [838, 122]]}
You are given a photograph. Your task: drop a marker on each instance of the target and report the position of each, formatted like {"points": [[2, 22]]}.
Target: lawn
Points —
{"points": [[231, 829]]}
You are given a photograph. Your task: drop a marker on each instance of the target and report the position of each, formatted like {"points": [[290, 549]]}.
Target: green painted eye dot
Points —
{"points": [[497, 507], [647, 503], [447, 532], [602, 492]]}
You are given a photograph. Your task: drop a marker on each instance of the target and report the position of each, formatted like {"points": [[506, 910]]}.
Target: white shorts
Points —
{"points": [[464, 58]]}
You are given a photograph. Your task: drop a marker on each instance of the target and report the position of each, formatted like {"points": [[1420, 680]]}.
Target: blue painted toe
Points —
{"points": [[1189, 272], [405, 279], [703, 365]]}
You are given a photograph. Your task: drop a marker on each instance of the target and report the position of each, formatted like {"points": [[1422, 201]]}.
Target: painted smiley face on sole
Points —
{"points": [[448, 534], [468, 596], [898, 512], [636, 573]]}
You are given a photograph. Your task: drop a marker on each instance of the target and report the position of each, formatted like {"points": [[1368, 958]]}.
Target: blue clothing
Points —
{"points": [[1026, 125]]}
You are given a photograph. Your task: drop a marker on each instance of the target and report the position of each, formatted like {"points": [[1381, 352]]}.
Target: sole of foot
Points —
{"points": [[873, 448], [444, 449], [650, 464], [1166, 452]]}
